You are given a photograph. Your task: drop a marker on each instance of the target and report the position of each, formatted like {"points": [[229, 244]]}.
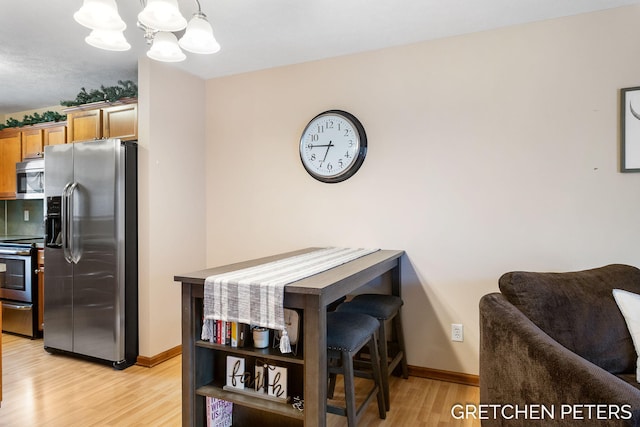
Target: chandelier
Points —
{"points": [[159, 20]]}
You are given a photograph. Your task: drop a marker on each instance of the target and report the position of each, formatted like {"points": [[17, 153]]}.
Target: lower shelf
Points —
{"points": [[280, 408]]}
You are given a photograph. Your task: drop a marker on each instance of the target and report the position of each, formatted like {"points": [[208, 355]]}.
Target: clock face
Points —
{"points": [[333, 146]]}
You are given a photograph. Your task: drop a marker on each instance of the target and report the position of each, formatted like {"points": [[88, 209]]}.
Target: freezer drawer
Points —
{"points": [[17, 318]]}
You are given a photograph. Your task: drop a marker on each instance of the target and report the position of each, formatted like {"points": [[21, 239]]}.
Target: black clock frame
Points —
{"points": [[362, 152]]}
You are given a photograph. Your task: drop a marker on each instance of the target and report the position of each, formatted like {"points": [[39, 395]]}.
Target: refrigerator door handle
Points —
{"points": [[72, 249], [64, 226], [66, 214]]}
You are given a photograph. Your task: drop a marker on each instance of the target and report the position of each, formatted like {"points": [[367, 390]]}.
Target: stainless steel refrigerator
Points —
{"points": [[91, 251]]}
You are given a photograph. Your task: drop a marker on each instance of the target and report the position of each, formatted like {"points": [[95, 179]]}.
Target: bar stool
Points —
{"points": [[348, 333], [383, 308]]}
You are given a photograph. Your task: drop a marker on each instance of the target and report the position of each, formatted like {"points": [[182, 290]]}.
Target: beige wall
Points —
{"points": [[487, 153], [171, 197]]}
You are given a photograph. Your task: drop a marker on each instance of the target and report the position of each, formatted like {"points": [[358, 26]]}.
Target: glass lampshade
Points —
{"points": [[198, 38], [108, 40], [162, 15], [100, 15], [165, 48]]}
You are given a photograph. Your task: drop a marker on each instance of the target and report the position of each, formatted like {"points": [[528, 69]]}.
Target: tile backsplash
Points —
{"points": [[12, 217]]}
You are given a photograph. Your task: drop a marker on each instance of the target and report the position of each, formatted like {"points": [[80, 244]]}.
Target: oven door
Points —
{"points": [[16, 277]]}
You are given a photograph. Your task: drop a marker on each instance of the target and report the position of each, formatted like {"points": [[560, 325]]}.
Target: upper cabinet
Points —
{"points": [[103, 120], [32, 142], [84, 125], [120, 122], [17, 144], [86, 122], [55, 135], [10, 154], [36, 137]]}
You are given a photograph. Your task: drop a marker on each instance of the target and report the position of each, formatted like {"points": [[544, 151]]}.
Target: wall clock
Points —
{"points": [[333, 146]]}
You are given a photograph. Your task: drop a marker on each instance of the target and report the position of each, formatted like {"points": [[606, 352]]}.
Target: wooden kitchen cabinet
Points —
{"points": [[84, 125], [103, 120], [32, 143], [55, 135], [10, 154], [35, 137], [120, 122]]}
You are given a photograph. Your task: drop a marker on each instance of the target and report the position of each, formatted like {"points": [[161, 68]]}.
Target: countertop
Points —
{"points": [[37, 240]]}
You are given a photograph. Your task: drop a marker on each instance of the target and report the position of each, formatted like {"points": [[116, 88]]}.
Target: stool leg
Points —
{"points": [[349, 389], [377, 376], [384, 362], [332, 385], [397, 322]]}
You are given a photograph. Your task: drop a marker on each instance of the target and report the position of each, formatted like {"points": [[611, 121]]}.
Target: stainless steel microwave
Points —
{"points": [[30, 179]]}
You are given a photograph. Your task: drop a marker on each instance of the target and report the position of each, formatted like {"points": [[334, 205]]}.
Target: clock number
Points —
{"points": [[312, 158], [314, 138], [320, 128], [340, 164], [347, 155], [330, 124], [329, 167]]}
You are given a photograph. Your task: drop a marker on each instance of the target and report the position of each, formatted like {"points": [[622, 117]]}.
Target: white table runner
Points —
{"points": [[255, 295]]}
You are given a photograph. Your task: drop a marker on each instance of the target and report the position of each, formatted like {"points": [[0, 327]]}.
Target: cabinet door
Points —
{"points": [[121, 122], [10, 154], [84, 125], [55, 135], [32, 143]]}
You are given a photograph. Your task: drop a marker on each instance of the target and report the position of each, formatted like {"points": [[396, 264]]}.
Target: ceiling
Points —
{"points": [[44, 59]]}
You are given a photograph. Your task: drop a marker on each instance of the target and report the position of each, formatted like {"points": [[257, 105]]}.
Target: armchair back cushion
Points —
{"points": [[577, 309]]}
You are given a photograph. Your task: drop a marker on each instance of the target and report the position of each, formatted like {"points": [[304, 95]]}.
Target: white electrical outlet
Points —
{"points": [[457, 332], [26, 215]]}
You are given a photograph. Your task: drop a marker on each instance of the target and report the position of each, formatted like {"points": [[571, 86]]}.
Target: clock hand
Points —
{"points": [[329, 145]]}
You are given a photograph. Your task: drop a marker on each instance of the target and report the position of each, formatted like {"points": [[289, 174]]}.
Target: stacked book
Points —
{"points": [[230, 333]]}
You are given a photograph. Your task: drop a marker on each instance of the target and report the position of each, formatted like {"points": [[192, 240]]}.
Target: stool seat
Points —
{"points": [[349, 331], [379, 306]]}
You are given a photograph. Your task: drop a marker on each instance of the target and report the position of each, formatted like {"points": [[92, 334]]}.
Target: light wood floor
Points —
{"points": [[53, 390]]}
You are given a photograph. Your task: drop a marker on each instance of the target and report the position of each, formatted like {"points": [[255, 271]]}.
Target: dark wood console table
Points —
{"points": [[311, 295]]}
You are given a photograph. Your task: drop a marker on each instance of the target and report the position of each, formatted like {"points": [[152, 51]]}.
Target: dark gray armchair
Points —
{"points": [[555, 350]]}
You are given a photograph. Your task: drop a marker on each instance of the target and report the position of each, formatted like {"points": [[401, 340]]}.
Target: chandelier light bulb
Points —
{"points": [[108, 40], [165, 48], [100, 15], [163, 15], [198, 38]]}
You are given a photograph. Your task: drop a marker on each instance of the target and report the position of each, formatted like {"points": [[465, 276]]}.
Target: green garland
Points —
{"points": [[125, 89], [47, 116]]}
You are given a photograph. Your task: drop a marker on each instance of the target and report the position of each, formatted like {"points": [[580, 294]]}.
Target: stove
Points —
{"points": [[19, 285]]}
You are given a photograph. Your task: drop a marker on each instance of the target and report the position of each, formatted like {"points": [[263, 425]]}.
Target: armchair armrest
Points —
{"points": [[521, 366]]}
